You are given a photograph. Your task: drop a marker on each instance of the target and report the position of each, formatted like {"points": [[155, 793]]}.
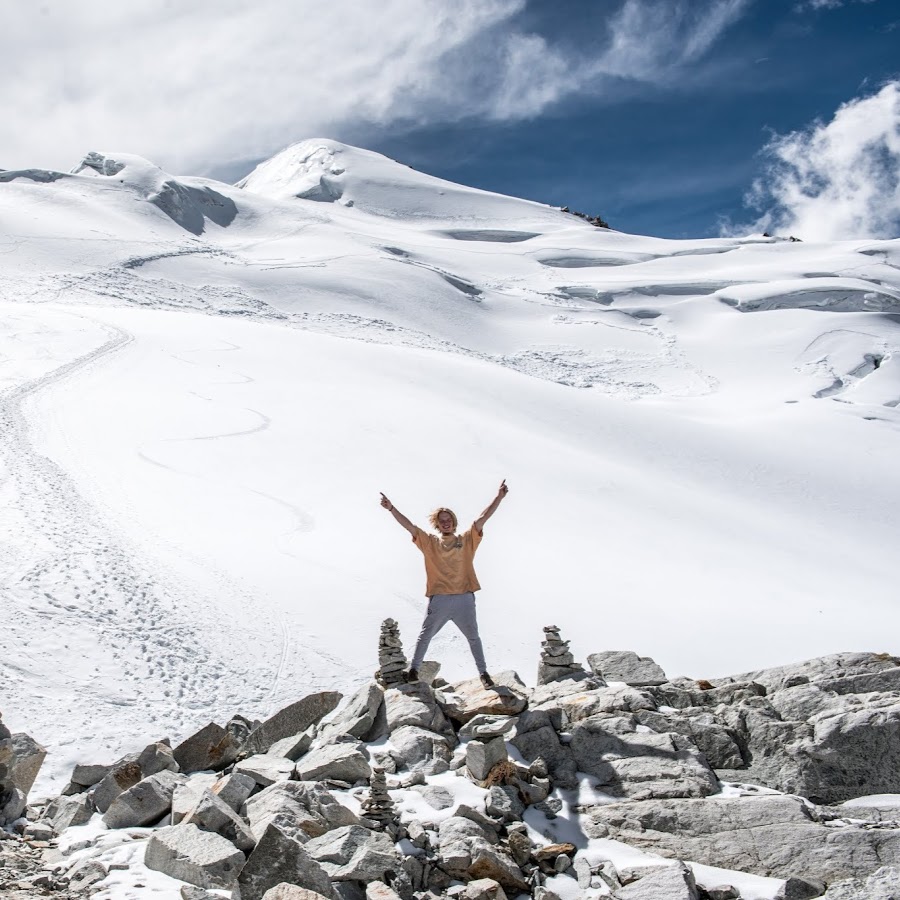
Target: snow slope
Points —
{"points": [[204, 388]]}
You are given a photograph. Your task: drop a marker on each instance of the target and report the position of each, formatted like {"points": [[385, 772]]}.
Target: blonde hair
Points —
{"points": [[433, 518]]}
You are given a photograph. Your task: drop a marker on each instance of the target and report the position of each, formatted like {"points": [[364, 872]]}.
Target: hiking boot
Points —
{"points": [[486, 681], [412, 676]]}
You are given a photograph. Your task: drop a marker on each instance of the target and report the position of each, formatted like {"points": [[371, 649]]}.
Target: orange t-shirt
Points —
{"points": [[449, 571]]}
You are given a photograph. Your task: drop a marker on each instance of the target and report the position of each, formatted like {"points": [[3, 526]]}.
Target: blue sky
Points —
{"points": [[672, 159], [659, 115]]}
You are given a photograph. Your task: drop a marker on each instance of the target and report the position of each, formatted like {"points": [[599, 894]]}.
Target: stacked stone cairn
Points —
{"points": [[391, 659], [378, 807], [557, 661]]}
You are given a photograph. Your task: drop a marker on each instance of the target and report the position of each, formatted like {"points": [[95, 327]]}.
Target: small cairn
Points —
{"points": [[378, 806], [557, 661], [391, 660]]}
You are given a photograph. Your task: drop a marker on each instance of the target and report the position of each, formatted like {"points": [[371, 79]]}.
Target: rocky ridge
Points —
{"points": [[431, 790]]}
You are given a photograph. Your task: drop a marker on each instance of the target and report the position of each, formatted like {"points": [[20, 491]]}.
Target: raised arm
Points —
{"points": [[398, 515], [502, 491]]}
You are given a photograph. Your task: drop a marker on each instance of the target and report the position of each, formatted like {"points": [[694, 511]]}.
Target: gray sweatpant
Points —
{"points": [[456, 608]]}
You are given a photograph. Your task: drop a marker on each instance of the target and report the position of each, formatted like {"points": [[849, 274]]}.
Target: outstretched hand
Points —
{"points": [[386, 503], [503, 490]]}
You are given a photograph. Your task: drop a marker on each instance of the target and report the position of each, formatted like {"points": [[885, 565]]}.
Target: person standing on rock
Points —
{"points": [[450, 578]]}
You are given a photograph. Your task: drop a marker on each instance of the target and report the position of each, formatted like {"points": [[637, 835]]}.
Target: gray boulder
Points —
{"points": [[435, 796], [419, 750], [495, 864], [354, 853], [851, 745], [211, 748], [567, 702], [265, 769], [413, 704], [504, 803], [482, 756], [292, 720], [123, 774], [717, 742], [155, 758], [295, 746], [280, 858], [483, 889], [536, 739], [358, 716], [12, 804], [467, 699], [627, 666], [187, 794], [300, 809], [199, 857], [66, 811], [88, 775], [144, 803], [234, 789], [212, 814], [882, 884], [469, 849], [640, 765], [486, 727], [335, 762], [769, 835], [27, 757], [675, 882]]}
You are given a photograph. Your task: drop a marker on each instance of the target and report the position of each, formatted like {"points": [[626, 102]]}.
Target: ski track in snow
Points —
{"points": [[68, 568]]}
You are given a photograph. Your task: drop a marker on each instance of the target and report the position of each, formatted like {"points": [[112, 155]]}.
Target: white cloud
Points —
{"points": [[197, 83], [804, 5], [839, 179]]}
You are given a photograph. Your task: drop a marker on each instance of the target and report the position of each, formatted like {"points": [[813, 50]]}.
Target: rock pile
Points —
{"points": [[557, 661], [392, 662], [737, 774], [378, 807]]}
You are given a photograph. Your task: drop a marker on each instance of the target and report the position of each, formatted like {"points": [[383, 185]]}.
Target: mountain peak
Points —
{"points": [[328, 171]]}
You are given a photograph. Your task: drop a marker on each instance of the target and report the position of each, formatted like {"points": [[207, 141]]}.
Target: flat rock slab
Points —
{"points": [[212, 747], [336, 762], [773, 836], [198, 857], [265, 769], [469, 698], [292, 720]]}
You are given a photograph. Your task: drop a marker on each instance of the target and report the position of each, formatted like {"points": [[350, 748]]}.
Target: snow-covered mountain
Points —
{"points": [[205, 387]]}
